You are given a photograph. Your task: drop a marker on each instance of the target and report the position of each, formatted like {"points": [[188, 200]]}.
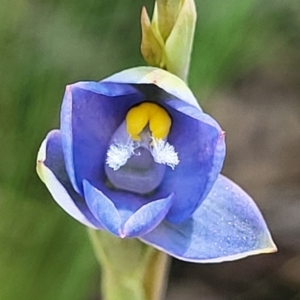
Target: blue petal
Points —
{"points": [[89, 119], [130, 220], [51, 169], [147, 217], [90, 114], [227, 226], [200, 144], [102, 208]]}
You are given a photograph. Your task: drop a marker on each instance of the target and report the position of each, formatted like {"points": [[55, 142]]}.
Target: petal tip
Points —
{"points": [[271, 248]]}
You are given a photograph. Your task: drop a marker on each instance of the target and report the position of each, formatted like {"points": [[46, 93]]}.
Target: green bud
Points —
{"points": [[152, 44], [167, 41], [165, 15]]}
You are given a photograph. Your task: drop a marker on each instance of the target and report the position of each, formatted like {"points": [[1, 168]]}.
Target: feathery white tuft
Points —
{"points": [[118, 154], [164, 153]]}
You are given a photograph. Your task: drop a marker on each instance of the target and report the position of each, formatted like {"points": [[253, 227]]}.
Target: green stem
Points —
{"points": [[129, 268]]}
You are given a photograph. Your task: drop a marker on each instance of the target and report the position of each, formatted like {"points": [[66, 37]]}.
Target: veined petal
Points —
{"points": [[90, 114], [227, 226], [136, 221], [200, 144], [102, 208], [51, 170], [161, 78], [147, 217]]}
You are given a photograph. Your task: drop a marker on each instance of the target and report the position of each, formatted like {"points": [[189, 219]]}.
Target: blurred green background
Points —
{"points": [[44, 45]]}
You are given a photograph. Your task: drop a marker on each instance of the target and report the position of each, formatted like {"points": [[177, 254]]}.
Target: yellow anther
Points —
{"points": [[139, 116]]}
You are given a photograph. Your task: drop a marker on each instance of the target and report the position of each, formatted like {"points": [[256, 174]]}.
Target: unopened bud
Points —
{"points": [[167, 41]]}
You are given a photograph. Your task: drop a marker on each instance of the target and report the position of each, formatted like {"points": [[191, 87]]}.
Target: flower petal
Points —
{"points": [[136, 221], [90, 114], [102, 208], [197, 138], [200, 144], [227, 226], [161, 78], [147, 217], [51, 170]]}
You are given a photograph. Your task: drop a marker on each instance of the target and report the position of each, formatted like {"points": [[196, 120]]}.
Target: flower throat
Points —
{"points": [[138, 151]]}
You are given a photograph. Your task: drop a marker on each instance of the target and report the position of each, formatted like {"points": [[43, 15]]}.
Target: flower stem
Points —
{"points": [[129, 268]]}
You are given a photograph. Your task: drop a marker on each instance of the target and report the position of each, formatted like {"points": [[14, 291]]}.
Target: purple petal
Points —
{"points": [[147, 217], [227, 226], [51, 169], [130, 219], [102, 208], [200, 144], [90, 114], [89, 119]]}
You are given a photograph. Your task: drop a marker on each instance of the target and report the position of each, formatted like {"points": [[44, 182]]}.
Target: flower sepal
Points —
{"points": [[227, 226]]}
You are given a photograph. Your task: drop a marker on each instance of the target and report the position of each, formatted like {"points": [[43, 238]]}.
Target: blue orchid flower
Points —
{"points": [[136, 156]]}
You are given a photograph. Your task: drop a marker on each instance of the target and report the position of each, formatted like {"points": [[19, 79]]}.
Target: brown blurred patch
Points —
{"points": [[261, 117]]}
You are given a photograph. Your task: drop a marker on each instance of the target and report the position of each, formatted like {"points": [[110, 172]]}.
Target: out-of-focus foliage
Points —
{"points": [[234, 36], [46, 44]]}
